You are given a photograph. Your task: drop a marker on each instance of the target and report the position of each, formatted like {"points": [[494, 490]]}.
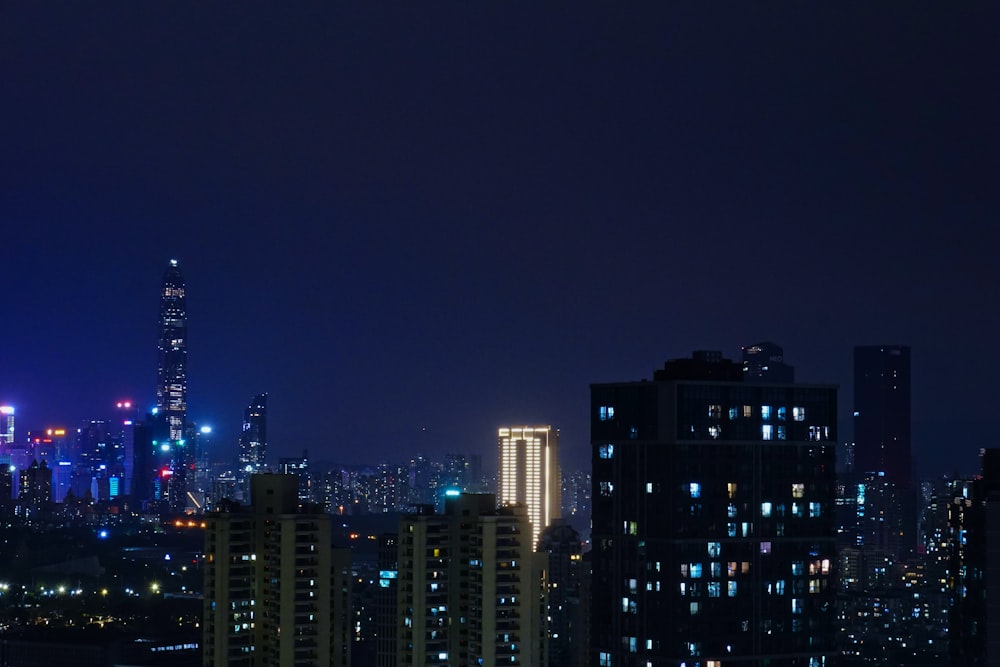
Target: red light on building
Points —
{"points": [[166, 472]]}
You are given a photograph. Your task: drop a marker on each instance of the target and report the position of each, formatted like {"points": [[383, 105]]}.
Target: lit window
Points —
{"points": [[695, 489], [695, 607], [765, 509], [799, 414], [798, 490], [782, 434], [731, 588], [731, 489], [733, 413], [747, 411], [716, 569], [731, 511], [814, 510], [714, 548], [695, 569], [765, 547], [796, 606], [606, 412], [715, 411], [649, 487], [781, 414], [796, 509], [714, 589], [765, 412], [606, 451], [767, 432]]}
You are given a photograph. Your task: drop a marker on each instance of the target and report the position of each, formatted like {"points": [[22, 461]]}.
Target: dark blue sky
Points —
{"points": [[412, 222]]}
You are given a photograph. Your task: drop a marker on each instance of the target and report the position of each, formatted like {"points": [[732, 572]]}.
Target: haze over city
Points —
{"points": [[410, 224]]}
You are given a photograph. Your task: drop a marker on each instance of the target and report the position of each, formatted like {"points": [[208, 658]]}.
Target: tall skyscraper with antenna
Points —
{"points": [[171, 386]]}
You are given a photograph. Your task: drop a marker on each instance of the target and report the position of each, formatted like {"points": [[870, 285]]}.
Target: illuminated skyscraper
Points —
{"points": [[529, 473], [171, 386], [253, 443]]}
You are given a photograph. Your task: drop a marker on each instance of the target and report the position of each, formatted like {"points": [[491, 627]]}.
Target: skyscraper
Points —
{"points": [[713, 518], [529, 473], [882, 412], [765, 362], [171, 386], [253, 442]]}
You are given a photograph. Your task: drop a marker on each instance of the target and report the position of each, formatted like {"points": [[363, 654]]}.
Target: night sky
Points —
{"points": [[413, 222]]}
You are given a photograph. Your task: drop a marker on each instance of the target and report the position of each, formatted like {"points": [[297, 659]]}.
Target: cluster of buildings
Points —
{"points": [[729, 525]]}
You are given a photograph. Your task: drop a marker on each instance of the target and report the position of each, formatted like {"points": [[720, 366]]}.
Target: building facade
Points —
{"points": [[274, 586], [529, 473], [713, 524], [470, 591]]}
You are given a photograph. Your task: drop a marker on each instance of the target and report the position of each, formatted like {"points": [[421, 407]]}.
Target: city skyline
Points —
{"points": [[389, 218]]}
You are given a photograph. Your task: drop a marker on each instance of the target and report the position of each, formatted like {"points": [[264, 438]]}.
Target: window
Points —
{"points": [[716, 569], [733, 413], [731, 589], [695, 569], [715, 411], [747, 411], [765, 509], [798, 490], [731, 529], [731, 489], [797, 509], [714, 432], [767, 432], [604, 659], [799, 414], [606, 412], [606, 451], [814, 510], [607, 489], [714, 589], [649, 487], [765, 412], [714, 549], [731, 511], [765, 547], [797, 568], [781, 414], [782, 434], [695, 607], [796, 606], [695, 489]]}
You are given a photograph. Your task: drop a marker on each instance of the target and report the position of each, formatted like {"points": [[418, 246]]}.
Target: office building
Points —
{"points": [[882, 412], [765, 362], [274, 586], [6, 425], [713, 523], [253, 442], [171, 386], [471, 591], [529, 473]]}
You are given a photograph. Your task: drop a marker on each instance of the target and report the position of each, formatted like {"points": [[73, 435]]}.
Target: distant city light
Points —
{"points": [[6, 410], [103, 533], [206, 429]]}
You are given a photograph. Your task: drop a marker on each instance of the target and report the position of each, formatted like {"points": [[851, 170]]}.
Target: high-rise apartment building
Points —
{"points": [[471, 591], [171, 386], [713, 523], [882, 412], [529, 473], [274, 586]]}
